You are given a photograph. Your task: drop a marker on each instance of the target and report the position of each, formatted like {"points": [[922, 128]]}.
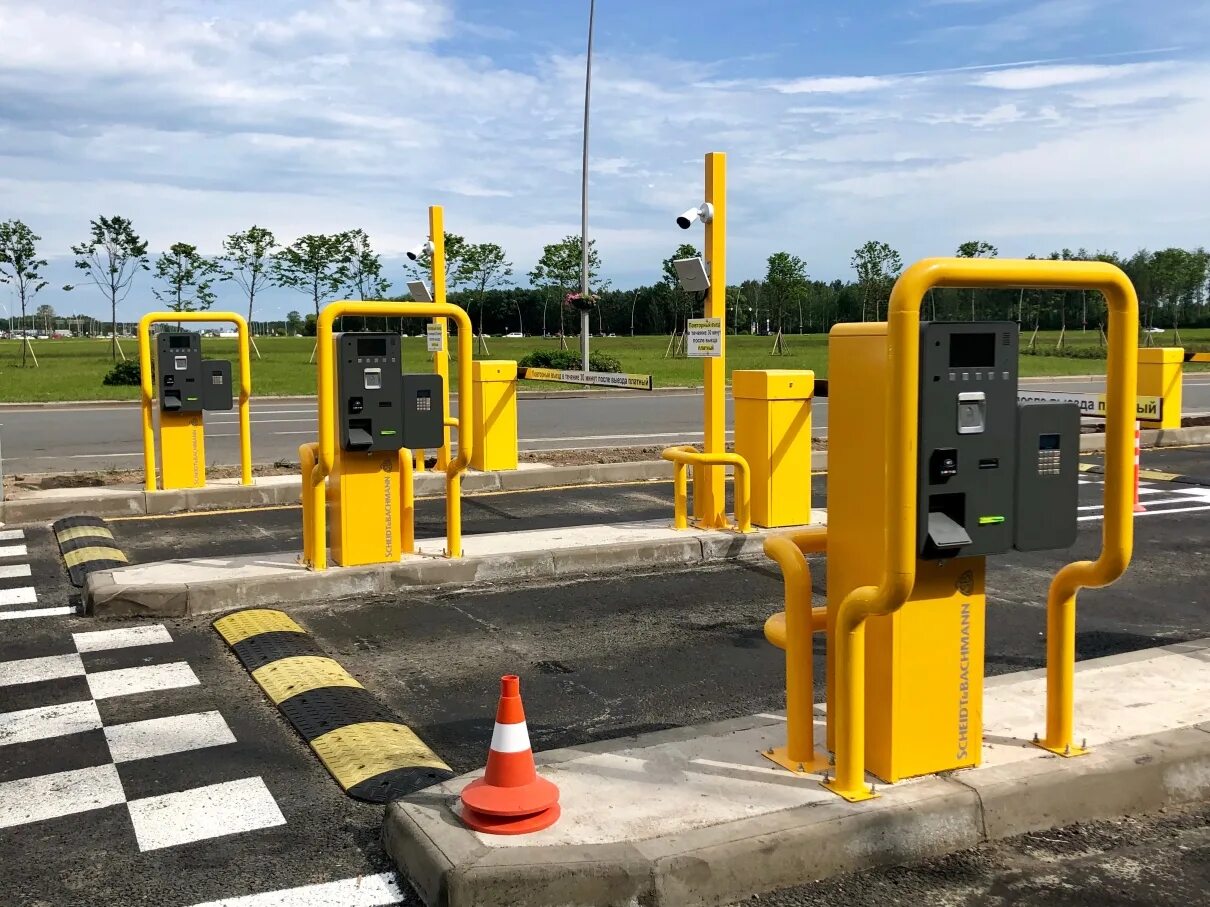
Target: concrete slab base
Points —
{"points": [[697, 816], [201, 585]]}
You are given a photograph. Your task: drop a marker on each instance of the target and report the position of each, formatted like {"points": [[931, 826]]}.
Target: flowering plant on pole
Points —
{"points": [[582, 302]]}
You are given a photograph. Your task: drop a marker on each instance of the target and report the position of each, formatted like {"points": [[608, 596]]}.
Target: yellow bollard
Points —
{"points": [[494, 390], [1161, 371], [773, 434]]}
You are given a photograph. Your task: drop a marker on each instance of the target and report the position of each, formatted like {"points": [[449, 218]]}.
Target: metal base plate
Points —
{"points": [[1067, 751], [853, 796], [812, 766]]}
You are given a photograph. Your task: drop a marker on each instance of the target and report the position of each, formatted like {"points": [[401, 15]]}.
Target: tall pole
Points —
{"points": [[585, 313]]}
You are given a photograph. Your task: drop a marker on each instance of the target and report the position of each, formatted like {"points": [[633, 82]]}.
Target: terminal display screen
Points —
{"points": [[973, 350], [371, 346], [178, 341]]}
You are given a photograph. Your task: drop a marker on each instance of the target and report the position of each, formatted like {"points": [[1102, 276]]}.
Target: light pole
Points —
{"points": [[585, 312]]}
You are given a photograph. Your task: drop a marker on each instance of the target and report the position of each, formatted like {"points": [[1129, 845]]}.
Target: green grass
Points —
{"points": [[73, 369]]}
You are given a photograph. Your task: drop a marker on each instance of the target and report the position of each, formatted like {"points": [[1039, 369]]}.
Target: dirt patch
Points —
{"points": [[616, 454], [43, 481]]}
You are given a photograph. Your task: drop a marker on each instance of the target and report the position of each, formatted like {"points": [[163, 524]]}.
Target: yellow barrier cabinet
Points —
{"points": [[494, 386], [773, 433], [1160, 375]]}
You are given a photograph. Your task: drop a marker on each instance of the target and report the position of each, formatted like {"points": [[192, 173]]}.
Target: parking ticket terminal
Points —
{"points": [[380, 411], [187, 386], [993, 474]]}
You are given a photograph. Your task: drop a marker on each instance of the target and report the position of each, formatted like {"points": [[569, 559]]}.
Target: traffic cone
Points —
{"points": [[510, 798]]}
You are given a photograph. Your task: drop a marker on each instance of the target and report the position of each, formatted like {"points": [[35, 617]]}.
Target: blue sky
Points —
{"points": [[1033, 124]]}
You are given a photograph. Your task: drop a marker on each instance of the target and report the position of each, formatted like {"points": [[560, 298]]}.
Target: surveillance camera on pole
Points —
{"points": [[703, 213], [416, 253]]}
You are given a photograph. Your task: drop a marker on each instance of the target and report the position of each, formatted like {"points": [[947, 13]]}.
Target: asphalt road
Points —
{"points": [[600, 657], [39, 439]]}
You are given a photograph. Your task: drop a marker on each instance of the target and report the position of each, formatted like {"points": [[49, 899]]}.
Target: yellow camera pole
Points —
{"points": [[148, 393], [441, 359], [709, 482], [899, 515], [314, 513]]}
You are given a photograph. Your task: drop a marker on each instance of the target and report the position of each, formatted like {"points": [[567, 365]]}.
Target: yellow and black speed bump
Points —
{"points": [[88, 546], [372, 754]]}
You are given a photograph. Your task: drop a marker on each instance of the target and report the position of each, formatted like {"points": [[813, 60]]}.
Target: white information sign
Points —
{"points": [[434, 339], [705, 338], [1093, 405]]}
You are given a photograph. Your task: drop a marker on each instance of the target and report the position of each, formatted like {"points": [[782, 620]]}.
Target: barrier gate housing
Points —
{"points": [[933, 465], [186, 386]]}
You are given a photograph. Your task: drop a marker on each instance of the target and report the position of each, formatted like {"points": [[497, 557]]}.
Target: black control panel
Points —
{"points": [[1047, 487], [179, 372], [370, 392]]}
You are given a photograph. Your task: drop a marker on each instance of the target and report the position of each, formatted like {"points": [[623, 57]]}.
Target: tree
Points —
{"points": [[786, 283], [976, 248], [317, 264], [365, 267], [188, 277], [877, 265], [247, 259], [483, 266], [294, 323], [111, 257], [20, 265], [559, 270], [46, 317]]}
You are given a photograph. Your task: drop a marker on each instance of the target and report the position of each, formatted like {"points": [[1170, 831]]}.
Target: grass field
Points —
{"points": [[72, 369]]}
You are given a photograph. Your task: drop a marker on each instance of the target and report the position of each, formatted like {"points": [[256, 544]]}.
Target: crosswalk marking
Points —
{"points": [[204, 812], [36, 612], [61, 794], [48, 721], [163, 736], [144, 679], [13, 551], [11, 535], [101, 640], [14, 571], [32, 670], [378, 890], [22, 595]]}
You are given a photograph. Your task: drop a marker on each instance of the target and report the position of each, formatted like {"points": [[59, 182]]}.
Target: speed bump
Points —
{"points": [[88, 545], [373, 755]]}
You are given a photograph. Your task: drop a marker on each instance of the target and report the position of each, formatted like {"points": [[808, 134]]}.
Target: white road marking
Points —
{"points": [[204, 812], [49, 721], [162, 736], [363, 891], [61, 794], [32, 670], [36, 612], [128, 681], [1098, 516], [101, 640], [661, 434], [22, 595], [9, 535], [13, 551], [13, 571]]}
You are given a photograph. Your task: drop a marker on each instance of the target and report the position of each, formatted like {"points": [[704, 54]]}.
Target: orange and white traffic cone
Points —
{"points": [[510, 798]]}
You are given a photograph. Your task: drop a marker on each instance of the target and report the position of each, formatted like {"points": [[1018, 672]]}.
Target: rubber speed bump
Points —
{"points": [[88, 545], [373, 755]]}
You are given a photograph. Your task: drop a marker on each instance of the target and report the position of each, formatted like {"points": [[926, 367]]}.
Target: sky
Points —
{"points": [[1030, 124]]}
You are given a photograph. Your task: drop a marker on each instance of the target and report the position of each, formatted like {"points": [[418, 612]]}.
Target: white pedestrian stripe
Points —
{"points": [[14, 571], [36, 612], [204, 812], [13, 551], [101, 640], [32, 670], [163, 736], [61, 794], [49, 721], [22, 595], [146, 679], [364, 891], [11, 535]]}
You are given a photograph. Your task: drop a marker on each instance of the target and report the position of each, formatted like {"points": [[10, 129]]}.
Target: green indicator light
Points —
{"points": [[387, 431], [990, 520], [191, 399]]}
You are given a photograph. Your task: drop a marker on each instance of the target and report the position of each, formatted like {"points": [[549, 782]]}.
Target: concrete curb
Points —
{"points": [[106, 597], [731, 861]]}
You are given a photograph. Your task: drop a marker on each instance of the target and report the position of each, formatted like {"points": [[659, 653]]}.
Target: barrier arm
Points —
{"points": [[148, 391], [327, 422], [899, 517]]}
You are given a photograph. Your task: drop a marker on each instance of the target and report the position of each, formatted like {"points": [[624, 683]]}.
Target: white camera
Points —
{"points": [[416, 253], [704, 214]]}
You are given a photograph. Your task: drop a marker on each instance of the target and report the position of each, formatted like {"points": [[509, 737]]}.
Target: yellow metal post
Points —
{"points": [[326, 392], [147, 396], [407, 506], [441, 359], [1161, 373], [308, 455], [495, 414], [709, 482], [773, 434]]}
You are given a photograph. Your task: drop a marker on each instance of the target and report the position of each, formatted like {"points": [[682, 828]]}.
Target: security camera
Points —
{"points": [[416, 253], [704, 214]]}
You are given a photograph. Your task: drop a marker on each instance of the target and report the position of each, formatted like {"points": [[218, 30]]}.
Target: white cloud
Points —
{"points": [[833, 85], [1031, 78]]}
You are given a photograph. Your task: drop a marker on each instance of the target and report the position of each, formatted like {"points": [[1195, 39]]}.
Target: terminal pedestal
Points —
{"points": [[364, 491], [182, 450]]}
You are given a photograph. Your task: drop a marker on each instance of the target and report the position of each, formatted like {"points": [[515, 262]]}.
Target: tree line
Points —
{"points": [[1171, 283]]}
